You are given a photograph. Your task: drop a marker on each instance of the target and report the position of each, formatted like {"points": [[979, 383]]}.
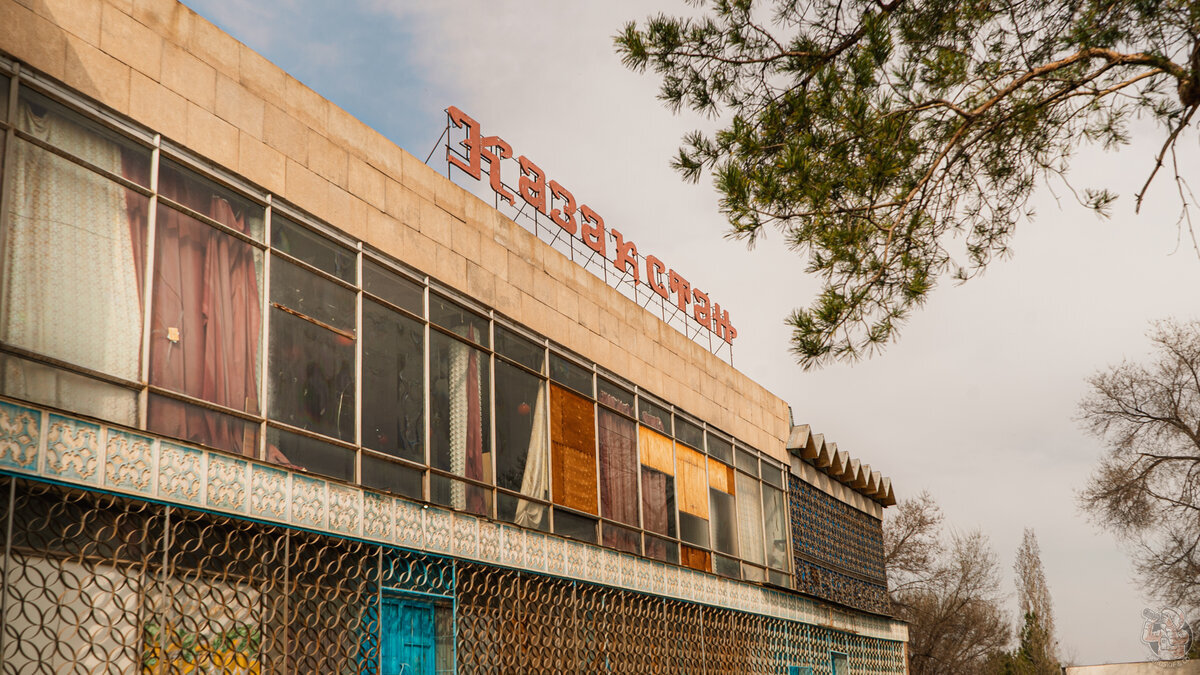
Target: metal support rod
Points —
{"points": [[8, 535]]}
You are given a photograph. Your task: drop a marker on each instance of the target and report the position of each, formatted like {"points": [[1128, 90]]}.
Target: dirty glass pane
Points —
{"points": [[622, 538], [51, 122], [654, 416], [523, 512], [209, 199], [688, 432], [662, 549], [394, 288], [574, 526], [720, 448], [302, 291], [614, 397], [311, 376], [570, 375], [393, 407], [4, 83], [308, 454], [392, 477], [316, 250], [775, 527], [519, 349], [39, 383], [523, 454], [459, 320], [460, 495], [196, 424]]}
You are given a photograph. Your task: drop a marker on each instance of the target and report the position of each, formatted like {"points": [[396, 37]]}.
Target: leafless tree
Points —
{"points": [[1146, 488], [947, 587]]}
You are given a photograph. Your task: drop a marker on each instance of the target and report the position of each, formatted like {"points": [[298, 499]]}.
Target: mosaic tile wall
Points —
{"points": [[837, 549], [75, 451]]}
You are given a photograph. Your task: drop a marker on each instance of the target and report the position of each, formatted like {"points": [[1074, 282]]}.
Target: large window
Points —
{"points": [[142, 285], [74, 249]]}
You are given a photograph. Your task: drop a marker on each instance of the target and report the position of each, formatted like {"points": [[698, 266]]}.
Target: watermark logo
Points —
{"points": [[1166, 633]]}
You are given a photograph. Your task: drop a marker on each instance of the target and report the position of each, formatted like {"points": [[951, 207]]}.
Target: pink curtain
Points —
{"points": [[205, 321], [618, 467]]}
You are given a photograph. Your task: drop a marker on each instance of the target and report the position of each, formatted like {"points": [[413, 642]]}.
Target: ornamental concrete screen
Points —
{"points": [[277, 397]]}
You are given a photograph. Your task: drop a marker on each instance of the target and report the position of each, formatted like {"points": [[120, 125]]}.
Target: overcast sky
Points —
{"points": [[975, 403]]}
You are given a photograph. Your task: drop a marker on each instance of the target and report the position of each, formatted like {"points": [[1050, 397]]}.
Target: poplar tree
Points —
{"points": [[897, 143]]}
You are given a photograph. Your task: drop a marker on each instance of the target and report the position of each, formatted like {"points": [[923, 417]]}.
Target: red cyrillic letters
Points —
{"points": [[553, 200]]}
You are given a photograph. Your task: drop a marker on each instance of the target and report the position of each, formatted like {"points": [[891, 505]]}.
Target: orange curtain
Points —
{"points": [[691, 481], [573, 450]]}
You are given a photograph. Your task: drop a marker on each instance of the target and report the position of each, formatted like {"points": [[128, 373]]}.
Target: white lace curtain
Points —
{"points": [[70, 276]]}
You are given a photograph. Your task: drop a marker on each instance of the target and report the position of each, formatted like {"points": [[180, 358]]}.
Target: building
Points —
{"points": [[278, 397]]}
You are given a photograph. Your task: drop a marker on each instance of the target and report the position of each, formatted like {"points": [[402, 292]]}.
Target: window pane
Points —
{"points": [[460, 495], [615, 397], [720, 448], [40, 383], [749, 512], [301, 452], [209, 199], [393, 407], [73, 261], [302, 291], [618, 468], [692, 529], [692, 482], [195, 424], [523, 456], [458, 320], [695, 559], [398, 290], [311, 377], [320, 252], [521, 350], [724, 521], [49, 121], [574, 526], [654, 416], [622, 539], [752, 573], [523, 512], [727, 567], [747, 462], [459, 395], [392, 477], [774, 524], [658, 502], [570, 375], [661, 549], [4, 97], [658, 451], [573, 440], [771, 474], [780, 578], [205, 313], [689, 433]]}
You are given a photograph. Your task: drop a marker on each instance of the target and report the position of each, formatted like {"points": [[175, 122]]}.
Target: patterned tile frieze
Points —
{"points": [[65, 449], [19, 436]]}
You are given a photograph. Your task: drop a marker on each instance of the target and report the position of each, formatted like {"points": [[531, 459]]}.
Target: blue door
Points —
{"points": [[408, 637]]}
